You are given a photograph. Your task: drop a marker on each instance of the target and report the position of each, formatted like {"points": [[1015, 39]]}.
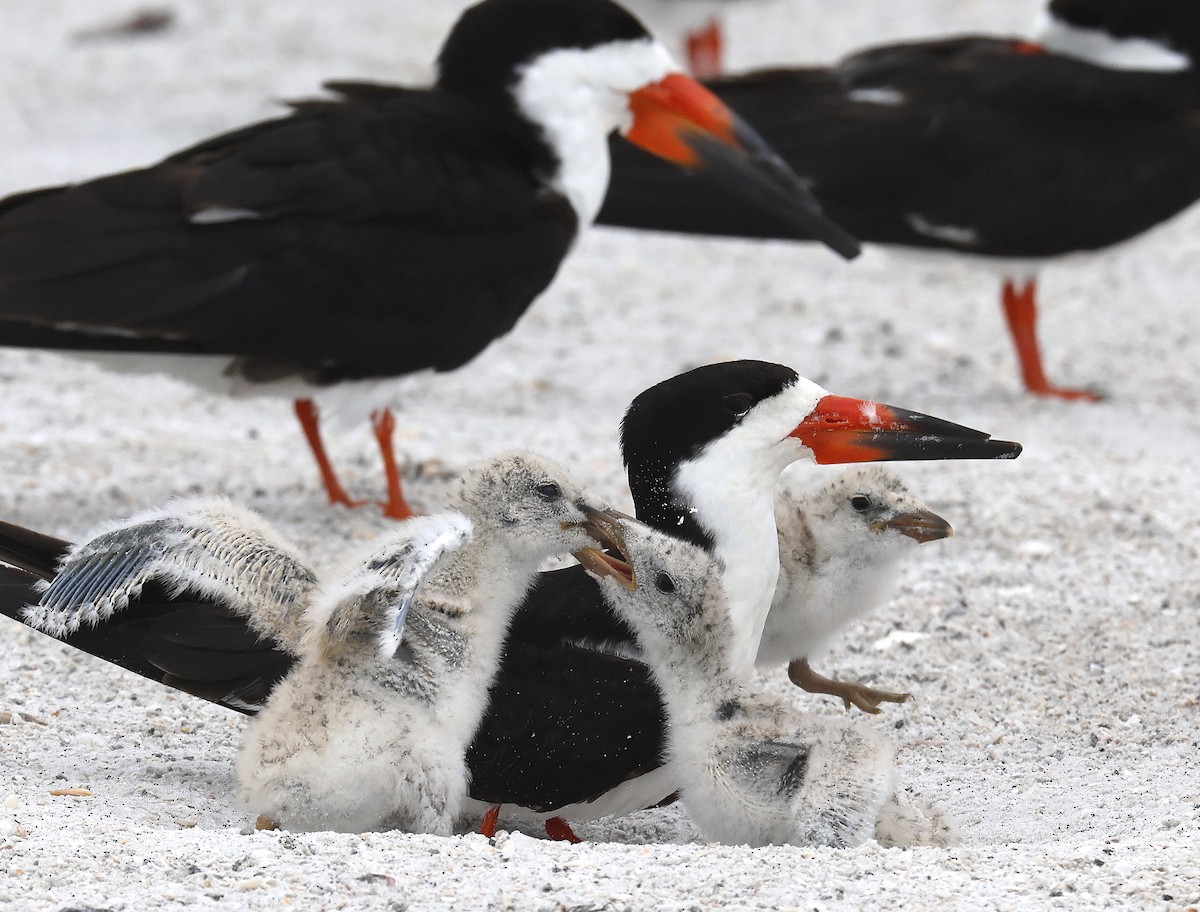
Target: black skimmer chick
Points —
{"points": [[381, 232], [839, 553], [370, 728], [751, 770], [983, 147], [575, 726]]}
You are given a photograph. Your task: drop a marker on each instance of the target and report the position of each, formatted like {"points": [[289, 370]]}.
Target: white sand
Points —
{"points": [[1057, 684]]}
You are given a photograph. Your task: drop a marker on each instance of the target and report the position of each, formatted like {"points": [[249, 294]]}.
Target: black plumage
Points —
{"points": [[1027, 154], [338, 243], [973, 145]]}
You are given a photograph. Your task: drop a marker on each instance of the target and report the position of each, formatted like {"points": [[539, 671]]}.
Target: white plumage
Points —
{"points": [[750, 769], [369, 733], [839, 553]]}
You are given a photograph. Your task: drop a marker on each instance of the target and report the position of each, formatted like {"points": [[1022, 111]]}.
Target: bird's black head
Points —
{"points": [[676, 419], [1173, 23], [494, 39]]}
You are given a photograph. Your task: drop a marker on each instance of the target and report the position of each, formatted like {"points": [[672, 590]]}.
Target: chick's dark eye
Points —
{"points": [[738, 403], [664, 583], [860, 502], [549, 490]]}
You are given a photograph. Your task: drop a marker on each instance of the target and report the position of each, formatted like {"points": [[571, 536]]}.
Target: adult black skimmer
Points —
{"points": [[980, 146], [369, 729], [574, 721], [382, 232], [839, 555], [751, 769]]}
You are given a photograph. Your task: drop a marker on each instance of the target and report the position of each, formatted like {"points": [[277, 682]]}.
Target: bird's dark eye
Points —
{"points": [[549, 490], [860, 502], [738, 403], [664, 583]]}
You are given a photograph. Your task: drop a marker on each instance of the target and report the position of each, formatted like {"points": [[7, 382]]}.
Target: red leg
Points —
{"points": [[559, 829], [704, 48], [1020, 309], [487, 826], [383, 424], [306, 411]]}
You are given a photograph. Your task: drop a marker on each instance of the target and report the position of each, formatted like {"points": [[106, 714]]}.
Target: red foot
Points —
{"points": [[1027, 48], [559, 829], [310, 420], [487, 826], [383, 424], [1020, 309], [704, 50]]}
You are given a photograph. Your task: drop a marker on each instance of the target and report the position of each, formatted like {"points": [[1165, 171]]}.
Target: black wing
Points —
{"points": [[567, 606], [182, 639], [379, 234]]}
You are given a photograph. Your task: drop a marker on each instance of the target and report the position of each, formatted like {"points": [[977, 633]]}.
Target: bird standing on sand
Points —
{"points": [[1003, 150], [839, 554], [576, 729], [378, 233]]}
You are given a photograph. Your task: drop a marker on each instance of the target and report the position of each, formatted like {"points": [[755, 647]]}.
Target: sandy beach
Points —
{"points": [[1054, 655]]}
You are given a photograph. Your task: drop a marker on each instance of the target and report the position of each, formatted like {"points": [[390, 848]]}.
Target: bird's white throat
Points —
{"points": [[578, 97], [731, 486]]}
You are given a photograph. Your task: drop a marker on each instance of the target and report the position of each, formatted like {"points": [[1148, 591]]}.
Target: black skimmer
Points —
{"points": [[369, 729], [751, 769], [381, 232], [574, 720], [986, 147], [839, 554]]}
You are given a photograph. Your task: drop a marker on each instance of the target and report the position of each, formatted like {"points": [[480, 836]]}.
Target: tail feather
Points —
{"points": [[31, 551]]}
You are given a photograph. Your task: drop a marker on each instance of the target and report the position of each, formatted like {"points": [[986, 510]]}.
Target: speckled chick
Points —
{"points": [[370, 729], [750, 769], [839, 554]]}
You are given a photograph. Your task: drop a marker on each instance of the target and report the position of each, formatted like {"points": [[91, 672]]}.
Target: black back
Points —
{"points": [[392, 230], [1029, 155]]}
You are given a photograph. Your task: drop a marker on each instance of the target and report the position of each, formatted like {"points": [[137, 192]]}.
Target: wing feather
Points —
{"points": [[208, 547], [374, 599]]}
